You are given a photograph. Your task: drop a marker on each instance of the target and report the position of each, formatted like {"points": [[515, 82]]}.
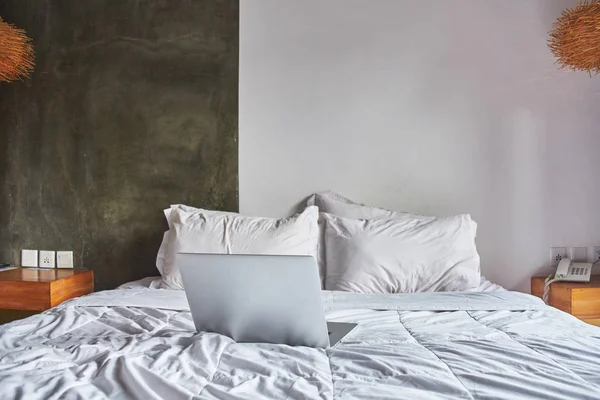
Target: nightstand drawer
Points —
{"points": [[581, 300], [25, 296], [38, 289], [585, 303], [595, 321]]}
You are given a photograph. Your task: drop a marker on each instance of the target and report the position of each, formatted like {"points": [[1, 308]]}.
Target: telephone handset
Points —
{"points": [[570, 272]]}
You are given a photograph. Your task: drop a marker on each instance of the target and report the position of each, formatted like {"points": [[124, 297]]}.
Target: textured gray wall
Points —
{"points": [[132, 106]]}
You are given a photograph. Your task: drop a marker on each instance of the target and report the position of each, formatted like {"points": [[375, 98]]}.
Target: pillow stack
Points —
{"points": [[373, 250], [359, 248]]}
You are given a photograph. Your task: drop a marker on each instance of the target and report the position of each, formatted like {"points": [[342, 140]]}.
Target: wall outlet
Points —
{"points": [[46, 259], [64, 259], [595, 254], [29, 258], [579, 254], [557, 254]]}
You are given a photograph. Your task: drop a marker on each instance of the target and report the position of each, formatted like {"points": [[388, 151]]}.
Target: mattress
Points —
{"points": [[140, 343]]}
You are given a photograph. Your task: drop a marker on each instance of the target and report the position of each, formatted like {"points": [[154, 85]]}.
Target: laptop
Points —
{"points": [[259, 298]]}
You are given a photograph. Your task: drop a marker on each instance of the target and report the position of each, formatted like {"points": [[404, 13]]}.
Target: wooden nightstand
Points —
{"points": [[27, 291], [581, 300]]}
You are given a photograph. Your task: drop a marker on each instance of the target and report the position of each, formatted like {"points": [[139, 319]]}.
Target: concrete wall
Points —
{"points": [[427, 106], [132, 106]]}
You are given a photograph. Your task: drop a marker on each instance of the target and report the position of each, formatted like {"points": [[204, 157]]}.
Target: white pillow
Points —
{"points": [[401, 255], [202, 232], [162, 250], [336, 204]]}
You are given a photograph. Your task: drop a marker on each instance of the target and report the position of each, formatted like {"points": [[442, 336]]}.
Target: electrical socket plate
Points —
{"points": [[579, 254], [47, 259], [595, 254], [29, 258], [64, 259], [557, 254]]}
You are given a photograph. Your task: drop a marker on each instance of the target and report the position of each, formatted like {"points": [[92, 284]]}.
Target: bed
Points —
{"points": [[429, 326], [139, 342]]}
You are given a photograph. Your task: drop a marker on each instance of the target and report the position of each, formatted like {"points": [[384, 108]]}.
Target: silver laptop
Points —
{"points": [[259, 298]]}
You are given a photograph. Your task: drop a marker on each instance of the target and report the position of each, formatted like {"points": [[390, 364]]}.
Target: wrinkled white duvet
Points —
{"points": [[140, 343]]}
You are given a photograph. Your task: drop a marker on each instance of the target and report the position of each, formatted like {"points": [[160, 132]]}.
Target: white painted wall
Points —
{"points": [[426, 106]]}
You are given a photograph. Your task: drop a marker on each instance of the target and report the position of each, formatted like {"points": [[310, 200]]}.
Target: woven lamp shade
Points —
{"points": [[16, 53], [575, 38]]}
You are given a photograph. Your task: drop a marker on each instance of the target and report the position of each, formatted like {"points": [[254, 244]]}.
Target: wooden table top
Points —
{"points": [[39, 274], [593, 283]]}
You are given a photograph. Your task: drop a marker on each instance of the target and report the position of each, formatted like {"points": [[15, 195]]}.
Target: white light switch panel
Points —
{"points": [[579, 254], [29, 258], [595, 254], [47, 259], [64, 259]]}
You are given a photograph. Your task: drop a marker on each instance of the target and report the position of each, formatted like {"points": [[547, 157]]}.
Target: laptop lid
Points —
{"points": [[256, 298]]}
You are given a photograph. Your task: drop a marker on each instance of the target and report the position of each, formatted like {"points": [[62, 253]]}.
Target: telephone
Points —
{"points": [[573, 272], [568, 271]]}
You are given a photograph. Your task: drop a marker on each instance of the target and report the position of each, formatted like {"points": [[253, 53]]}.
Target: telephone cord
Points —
{"points": [[549, 281]]}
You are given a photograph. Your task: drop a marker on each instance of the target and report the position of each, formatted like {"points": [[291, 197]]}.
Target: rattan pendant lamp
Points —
{"points": [[575, 38], [16, 53]]}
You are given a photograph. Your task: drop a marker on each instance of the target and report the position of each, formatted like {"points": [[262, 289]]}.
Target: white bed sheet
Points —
{"points": [[153, 282], [140, 343]]}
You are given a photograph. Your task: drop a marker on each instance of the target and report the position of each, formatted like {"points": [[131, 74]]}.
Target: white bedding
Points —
{"points": [[140, 343], [153, 282]]}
